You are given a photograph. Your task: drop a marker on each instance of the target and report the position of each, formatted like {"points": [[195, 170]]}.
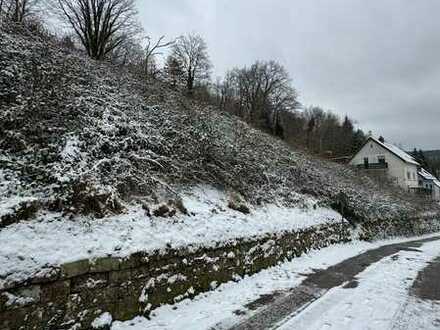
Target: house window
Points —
{"points": [[381, 159], [408, 174], [414, 175], [366, 162]]}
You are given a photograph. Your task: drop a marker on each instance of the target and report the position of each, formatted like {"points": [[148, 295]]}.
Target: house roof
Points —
{"points": [[396, 151], [429, 177], [426, 175]]}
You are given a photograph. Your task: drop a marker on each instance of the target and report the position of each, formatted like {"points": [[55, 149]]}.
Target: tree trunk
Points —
{"points": [[190, 83]]}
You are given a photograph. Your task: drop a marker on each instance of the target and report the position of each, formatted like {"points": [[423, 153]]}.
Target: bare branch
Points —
{"points": [[101, 25], [191, 52], [18, 10], [151, 51]]}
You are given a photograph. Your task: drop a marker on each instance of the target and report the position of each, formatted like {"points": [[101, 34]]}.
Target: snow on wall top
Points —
{"points": [[35, 246]]}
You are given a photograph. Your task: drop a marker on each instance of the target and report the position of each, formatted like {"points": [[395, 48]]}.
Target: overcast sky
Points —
{"points": [[377, 61]]}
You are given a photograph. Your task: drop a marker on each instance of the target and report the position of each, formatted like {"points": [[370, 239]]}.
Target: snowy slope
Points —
{"points": [[86, 138]]}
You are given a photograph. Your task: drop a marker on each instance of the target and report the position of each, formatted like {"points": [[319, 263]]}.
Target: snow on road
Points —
{"points": [[219, 308], [380, 301]]}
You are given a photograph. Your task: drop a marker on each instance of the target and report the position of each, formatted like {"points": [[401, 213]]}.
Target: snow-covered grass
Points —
{"points": [[223, 306], [71, 149], [51, 240], [9, 205], [8, 201]]}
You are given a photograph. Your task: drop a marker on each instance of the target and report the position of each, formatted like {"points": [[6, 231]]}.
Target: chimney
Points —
{"points": [[381, 139]]}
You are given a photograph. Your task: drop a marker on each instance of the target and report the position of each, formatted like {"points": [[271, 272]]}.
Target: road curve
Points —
{"points": [[385, 288]]}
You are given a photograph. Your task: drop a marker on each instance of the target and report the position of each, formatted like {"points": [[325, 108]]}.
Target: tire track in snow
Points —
{"points": [[379, 302], [317, 285]]}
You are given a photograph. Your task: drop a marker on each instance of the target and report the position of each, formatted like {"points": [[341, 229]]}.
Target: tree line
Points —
{"points": [[261, 94]]}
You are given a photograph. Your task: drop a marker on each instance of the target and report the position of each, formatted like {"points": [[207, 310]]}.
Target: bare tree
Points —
{"points": [[152, 49], [259, 94], [17, 10], [280, 95], [129, 52], [228, 97], [191, 52], [101, 25]]}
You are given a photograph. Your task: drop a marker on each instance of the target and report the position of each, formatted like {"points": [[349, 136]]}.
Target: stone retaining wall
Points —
{"points": [[77, 293], [406, 227]]}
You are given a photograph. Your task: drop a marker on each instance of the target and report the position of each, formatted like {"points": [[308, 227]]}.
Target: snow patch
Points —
{"points": [[9, 205], [14, 300], [104, 320], [144, 295], [71, 149]]}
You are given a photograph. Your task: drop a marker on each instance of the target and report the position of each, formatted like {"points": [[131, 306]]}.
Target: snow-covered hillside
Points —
{"points": [[85, 138]]}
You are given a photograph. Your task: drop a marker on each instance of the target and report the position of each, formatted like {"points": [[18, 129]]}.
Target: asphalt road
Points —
{"points": [[392, 287]]}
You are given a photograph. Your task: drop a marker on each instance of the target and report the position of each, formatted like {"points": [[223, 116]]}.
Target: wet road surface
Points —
{"points": [[403, 269]]}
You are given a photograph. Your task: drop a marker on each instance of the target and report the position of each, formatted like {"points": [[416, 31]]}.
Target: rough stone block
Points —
{"points": [[3, 301], [105, 264], [55, 292], [75, 268], [121, 276]]}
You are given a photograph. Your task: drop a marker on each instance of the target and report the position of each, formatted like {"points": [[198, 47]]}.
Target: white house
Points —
{"points": [[400, 167], [429, 183], [379, 156]]}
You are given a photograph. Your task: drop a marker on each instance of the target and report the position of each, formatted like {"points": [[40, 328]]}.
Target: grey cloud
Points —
{"points": [[377, 61]]}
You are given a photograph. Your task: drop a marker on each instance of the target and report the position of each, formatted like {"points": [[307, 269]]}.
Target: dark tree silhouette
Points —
{"points": [[101, 25], [191, 52]]}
